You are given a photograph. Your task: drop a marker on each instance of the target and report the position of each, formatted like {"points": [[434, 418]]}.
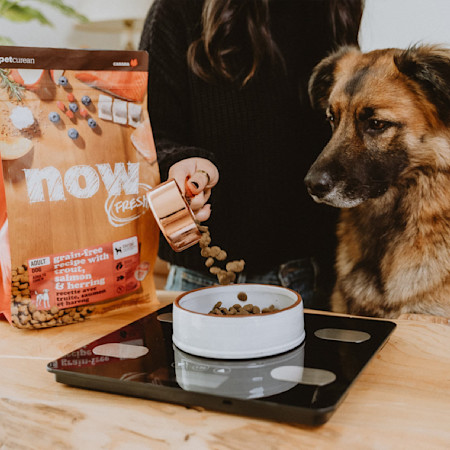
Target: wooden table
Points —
{"points": [[401, 400]]}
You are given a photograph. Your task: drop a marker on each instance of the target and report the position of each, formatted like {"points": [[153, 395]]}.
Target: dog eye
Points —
{"points": [[377, 125]]}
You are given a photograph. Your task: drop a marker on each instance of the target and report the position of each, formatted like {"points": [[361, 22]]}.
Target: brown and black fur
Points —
{"points": [[387, 166]]}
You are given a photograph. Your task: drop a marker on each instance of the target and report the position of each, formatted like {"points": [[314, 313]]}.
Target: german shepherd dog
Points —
{"points": [[387, 165]]}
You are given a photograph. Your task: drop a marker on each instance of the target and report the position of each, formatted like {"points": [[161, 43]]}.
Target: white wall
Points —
{"points": [[386, 23], [402, 23], [68, 33]]}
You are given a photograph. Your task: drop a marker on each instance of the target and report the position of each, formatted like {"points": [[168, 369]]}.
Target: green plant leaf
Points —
{"points": [[6, 41], [15, 91], [65, 9], [18, 13]]}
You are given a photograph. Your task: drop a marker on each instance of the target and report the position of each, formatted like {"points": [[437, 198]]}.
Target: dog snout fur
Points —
{"points": [[319, 183]]}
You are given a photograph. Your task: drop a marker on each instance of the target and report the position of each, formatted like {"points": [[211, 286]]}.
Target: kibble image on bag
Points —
{"points": [[77, 237]]}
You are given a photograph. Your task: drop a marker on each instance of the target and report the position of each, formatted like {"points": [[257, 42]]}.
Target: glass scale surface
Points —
{"points": [[304, 385]]}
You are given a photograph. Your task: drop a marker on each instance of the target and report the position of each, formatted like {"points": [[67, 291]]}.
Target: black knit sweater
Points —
{"points": [[262, 137]]}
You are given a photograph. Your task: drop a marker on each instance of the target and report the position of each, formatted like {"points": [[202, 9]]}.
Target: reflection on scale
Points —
{"points": [[245, 379]]}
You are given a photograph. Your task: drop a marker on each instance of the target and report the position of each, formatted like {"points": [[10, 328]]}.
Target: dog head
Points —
{"points": [[387, 109]]}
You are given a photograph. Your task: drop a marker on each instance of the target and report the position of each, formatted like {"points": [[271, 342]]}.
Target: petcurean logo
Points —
{"points": [[14, 60]]}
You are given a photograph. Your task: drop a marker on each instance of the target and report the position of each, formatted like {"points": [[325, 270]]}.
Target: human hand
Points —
{"points": [[195, 178]]}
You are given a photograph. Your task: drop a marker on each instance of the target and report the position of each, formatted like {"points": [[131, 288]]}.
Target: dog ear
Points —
{"points": [[323, 78], [429, 67]]}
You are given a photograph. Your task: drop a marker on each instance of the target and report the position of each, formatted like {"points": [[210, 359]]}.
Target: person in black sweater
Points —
{"points": [[228, 95]]}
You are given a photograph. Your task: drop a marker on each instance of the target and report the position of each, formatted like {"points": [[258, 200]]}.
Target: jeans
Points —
{"points": [[299, 275]]}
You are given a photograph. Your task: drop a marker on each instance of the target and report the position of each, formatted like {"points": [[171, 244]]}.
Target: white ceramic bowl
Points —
{"points": [[238, 337]]}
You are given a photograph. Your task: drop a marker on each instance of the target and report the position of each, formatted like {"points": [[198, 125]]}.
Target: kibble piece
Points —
{"points": [[224, 277], [239, 310], [214, 251], [242, 296], [215, 270], [24, 319], [25, 313], [236, 266], [205, 240], [205, 252], [231, 276], [221, 256], [209, 262]]}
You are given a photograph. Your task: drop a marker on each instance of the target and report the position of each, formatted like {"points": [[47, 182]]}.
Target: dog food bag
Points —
{"points": [[77, 237]]}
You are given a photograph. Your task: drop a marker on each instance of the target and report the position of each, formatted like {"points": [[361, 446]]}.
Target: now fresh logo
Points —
{"points": [[126, 200]]}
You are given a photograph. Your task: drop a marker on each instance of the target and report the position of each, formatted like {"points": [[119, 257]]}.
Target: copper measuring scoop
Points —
{"points": [[173, 215]]}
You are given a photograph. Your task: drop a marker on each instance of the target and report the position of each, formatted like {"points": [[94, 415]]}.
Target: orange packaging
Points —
{"points": [[77, 237]]}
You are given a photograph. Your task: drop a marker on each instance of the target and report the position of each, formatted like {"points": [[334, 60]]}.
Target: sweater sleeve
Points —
{"points": [[166, 38]]}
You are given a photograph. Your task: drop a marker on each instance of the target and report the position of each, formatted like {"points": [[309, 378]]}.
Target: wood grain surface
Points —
{"points": [[401, 400]]}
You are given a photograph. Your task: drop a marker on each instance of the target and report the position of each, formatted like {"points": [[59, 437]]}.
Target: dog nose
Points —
{"points": [[318, 183]]}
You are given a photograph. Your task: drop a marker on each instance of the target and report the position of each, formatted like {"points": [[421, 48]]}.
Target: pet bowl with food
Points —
{"points": [[238, 336]]}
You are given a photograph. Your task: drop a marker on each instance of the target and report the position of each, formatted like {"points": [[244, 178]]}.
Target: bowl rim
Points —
{"points": [[298, 302]]}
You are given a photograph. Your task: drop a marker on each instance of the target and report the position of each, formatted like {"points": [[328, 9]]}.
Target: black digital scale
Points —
{"points": [[304, 385]]}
